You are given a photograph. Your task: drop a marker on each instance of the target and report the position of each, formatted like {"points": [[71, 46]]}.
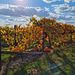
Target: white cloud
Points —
{"points": [[73, 0], [4, 20], [13, 6], [62, 18], [4, 6], [13, 22], [49, 1], [64, 9], [7, 16], [68, 1], [18, 11], [37, 17], [17, 20], [46, 9], [17, 14]]}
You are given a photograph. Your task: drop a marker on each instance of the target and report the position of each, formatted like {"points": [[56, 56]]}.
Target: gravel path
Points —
{"points": [[18, 62]]}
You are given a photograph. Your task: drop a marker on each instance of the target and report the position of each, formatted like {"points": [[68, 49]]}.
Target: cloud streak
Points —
{"points": [[19, 11], [64, 9], [68, 1], [50, 1], [16, 14]]}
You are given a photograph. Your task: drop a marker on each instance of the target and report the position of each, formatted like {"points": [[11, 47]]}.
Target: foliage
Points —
{"points": [[22, 38]]}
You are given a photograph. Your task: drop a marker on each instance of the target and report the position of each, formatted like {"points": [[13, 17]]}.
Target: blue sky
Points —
{"points": [[19, 11]]}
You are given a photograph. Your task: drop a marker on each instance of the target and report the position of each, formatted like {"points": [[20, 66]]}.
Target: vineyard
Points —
{"points": [[37, 37]]}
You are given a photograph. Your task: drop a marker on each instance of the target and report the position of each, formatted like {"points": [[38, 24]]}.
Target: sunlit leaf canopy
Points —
{"points": [[41, 35]]}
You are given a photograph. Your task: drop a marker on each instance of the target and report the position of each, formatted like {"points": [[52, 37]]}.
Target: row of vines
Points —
{"points": [[40, 35]]}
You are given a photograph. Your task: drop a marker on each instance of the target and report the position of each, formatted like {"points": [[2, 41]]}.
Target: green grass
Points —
{"points": [[64, 54], [5, 58]]}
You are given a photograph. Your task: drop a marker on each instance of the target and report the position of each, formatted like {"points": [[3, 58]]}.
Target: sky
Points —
{"points": [[15, 12]]}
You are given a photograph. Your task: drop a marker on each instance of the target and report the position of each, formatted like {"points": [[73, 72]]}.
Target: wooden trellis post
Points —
{"points": [[71, 37], [0, 49], [15, 43], [43, 42], [49, 42]]}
